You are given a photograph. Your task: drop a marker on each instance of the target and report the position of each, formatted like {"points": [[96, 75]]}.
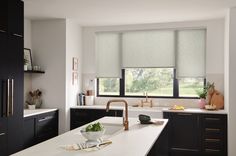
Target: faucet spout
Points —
{"points": [[125, 118]]}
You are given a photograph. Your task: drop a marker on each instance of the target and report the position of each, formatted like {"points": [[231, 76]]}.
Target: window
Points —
{"points": [[157, 82], [109, 86], [189, 86], [164, 63]]}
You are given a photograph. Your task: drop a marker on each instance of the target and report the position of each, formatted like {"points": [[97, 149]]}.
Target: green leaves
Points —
{"points": [[94, 127]]}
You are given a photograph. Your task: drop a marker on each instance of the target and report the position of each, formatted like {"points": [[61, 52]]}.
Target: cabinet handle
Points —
{"points": [[185, 114], [45, 118], [212, 140], [8, 97], [12, 98], [2, 31], [212, 129], [1, 134], [211, 150], [17, 35], [213, 119]]}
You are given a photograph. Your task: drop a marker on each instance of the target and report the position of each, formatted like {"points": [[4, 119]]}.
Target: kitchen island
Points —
{"points": [[137, 141]]}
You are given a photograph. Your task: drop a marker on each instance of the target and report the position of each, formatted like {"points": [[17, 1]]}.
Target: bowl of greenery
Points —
{"points": [[93, 132]]}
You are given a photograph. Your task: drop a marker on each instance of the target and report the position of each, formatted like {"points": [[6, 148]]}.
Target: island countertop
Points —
{"points": [[138, 141]]}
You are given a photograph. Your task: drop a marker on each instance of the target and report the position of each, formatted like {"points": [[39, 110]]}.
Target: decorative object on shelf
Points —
{"points": [[35, 98], [37, 68], [25, 64], [202, 95], [214, 98], [89, 100], [74, 78], [28, 59], [31, 107], [75, 63], [81, 99]]}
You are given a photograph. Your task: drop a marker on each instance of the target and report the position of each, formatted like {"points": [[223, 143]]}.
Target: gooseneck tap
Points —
{"points": [[125, 118]]}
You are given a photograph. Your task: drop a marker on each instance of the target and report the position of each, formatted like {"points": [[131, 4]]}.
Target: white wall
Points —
{"points": [[73, 49], [49, 46], [27, 44], [55, 42], [231, 64], [215, 46]]}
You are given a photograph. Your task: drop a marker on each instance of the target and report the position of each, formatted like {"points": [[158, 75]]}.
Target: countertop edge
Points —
{"points": [[154, 109], [39, 111]]}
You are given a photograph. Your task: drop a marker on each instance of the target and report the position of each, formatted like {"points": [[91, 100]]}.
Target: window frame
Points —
{"points": [[122, 89]]}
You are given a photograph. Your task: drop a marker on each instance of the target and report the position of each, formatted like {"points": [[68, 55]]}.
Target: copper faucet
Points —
{"points": [[125, 119]]}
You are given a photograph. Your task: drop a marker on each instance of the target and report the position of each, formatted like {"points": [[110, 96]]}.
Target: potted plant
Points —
{"points": [[202, 94], [25, 64], [35, 100]]}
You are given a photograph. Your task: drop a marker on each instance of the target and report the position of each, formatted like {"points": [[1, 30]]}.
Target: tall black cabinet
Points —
{"points": [[11, 76]]}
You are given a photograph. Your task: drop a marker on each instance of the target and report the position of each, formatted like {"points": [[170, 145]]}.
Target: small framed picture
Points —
{"points": [[75, 63], [28, 58], [74, 78]]}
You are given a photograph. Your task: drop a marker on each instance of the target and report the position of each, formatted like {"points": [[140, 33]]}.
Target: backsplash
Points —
{"points": [[160, 102]]}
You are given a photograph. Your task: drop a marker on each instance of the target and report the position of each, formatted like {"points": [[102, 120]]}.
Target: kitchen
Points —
{"points": [[70, 41]]}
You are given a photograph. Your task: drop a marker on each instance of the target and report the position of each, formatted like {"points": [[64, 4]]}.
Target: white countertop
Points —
{"points": [[196, 110], [28, 112], [137, 141], [153, 109]]}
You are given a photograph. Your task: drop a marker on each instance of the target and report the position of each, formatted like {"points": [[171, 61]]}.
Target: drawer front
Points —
{"points": [[214, 121], [46, 123], [216, 133], [213, 144]]}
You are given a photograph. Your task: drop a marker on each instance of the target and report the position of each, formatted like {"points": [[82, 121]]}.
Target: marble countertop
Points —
{"points": [[137, 141], [29, 112]]}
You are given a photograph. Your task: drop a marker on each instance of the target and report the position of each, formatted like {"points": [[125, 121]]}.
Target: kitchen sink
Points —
{"points": [[112, 129]]}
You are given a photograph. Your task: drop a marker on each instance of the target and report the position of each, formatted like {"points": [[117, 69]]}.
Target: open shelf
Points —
{"points": [[34, 71]]}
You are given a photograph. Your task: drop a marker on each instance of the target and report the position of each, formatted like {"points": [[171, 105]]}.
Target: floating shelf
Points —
{"points": [[34, 71]]}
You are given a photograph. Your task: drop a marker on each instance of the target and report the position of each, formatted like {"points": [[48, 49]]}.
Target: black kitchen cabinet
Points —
{"points": [[15, 17], [11, 77], [214, 135], [196, 134], [12, 17], [80, 117], [39, 128]]}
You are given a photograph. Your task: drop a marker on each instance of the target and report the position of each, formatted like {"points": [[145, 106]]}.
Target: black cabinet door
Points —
{"points": [[3, 15], [3, 104], [15, 17], [29, 132], [15, 76], [184, 134], [3, 136], [12, 17], [46, 126]]}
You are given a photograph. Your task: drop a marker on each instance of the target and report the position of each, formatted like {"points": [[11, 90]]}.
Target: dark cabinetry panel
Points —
{"points": [[11, 17], [214, 135], [80, 117], [11, 76], [197, 134], [39, 128]]}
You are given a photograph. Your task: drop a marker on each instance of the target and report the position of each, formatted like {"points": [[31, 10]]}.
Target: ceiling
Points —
{"points": [[119, 12]]}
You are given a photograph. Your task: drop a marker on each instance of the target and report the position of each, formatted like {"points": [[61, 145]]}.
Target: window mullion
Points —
{"points": [[122, 84], [176, 85]]}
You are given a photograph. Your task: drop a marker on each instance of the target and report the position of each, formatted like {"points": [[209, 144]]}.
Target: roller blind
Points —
{"points": [[191, 53], [154, 48], [108, 63]]}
